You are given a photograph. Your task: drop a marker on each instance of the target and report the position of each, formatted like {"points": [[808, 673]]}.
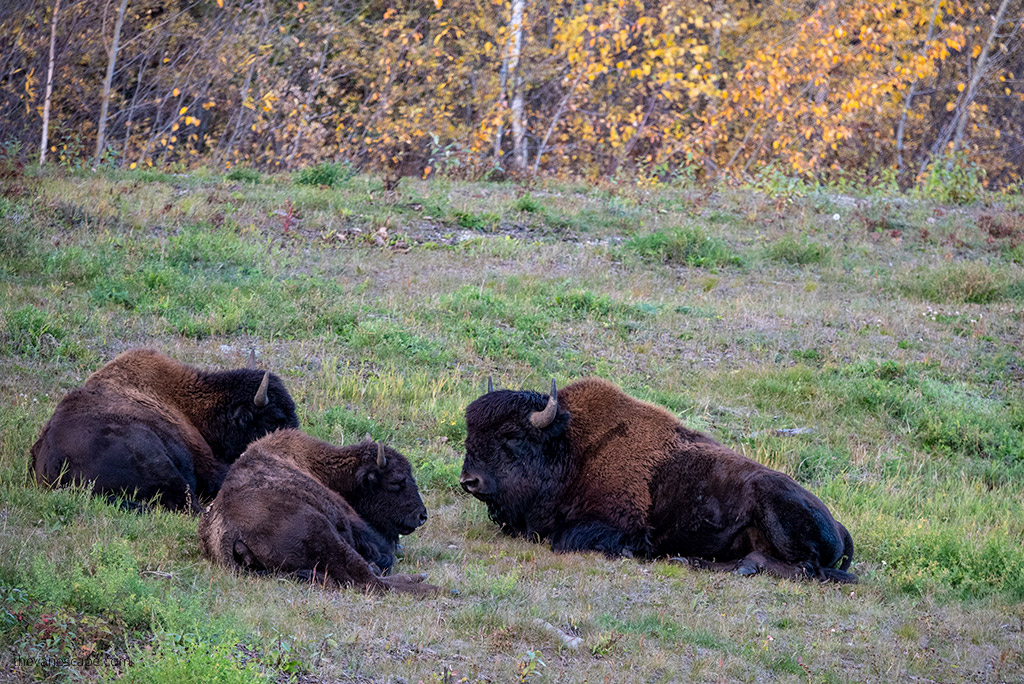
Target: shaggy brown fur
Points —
{"points": [[593, 468], [146, 426], [294, 504]]}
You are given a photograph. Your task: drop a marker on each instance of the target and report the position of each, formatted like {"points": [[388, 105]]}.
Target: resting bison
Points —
{"points": [[592, 468], [294, 504], [145, 426]]}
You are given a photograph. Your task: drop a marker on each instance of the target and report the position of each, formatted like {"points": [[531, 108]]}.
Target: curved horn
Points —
{"points": [[381, 460], [251, 363], [542, 419], [261, 394], [490, 384]]}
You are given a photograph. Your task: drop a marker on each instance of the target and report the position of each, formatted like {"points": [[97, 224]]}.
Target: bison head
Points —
{"points": [[516, 455], [385, 493], [257, 404]]}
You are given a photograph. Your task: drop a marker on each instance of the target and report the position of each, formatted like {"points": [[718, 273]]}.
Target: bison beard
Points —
{"points": [[591, 468], [145, 426], [327, 514]]}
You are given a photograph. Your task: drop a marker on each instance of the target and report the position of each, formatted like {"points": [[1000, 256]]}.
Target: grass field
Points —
{"points": [[870, 347]]}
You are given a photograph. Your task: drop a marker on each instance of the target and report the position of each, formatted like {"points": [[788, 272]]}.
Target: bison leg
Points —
{"points": [[372, 546], [595, 535], [757, 562], [411, 584]]}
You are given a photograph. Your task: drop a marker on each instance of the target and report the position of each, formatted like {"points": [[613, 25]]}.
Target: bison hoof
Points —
{"points": [[746, 569]]}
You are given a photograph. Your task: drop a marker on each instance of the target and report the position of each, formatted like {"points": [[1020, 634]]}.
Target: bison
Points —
{"points": [[294, 504], [146, 427], [592, 468]]}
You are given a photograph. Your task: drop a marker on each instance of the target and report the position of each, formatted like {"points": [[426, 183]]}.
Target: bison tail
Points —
{"points": [[847, 548]]}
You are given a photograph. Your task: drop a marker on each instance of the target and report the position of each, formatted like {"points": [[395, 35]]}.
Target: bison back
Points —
{"points": [[120, 450]]}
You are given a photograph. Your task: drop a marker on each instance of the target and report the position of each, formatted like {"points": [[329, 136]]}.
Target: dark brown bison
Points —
{"points": [[145, 426], [297, 505], [591, 468]]}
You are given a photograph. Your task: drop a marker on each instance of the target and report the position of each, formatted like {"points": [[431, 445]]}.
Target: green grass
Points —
{"points": [[326, 174], [684, 246], [963, 282], [880, 370], [790, 250]]}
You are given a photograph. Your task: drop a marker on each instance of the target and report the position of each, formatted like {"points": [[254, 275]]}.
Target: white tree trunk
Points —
{"points": [[979, 72], [44, 144], [519, 159], [910, 94], [954, 130], [503, 82], [111, 62]]}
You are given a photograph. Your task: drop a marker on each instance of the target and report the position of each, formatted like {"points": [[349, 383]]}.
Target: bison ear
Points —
{"points": [[261, 394], [544, 418]]}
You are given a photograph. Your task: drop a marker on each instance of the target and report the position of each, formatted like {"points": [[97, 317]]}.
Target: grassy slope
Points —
{"points": [[893, 332]]}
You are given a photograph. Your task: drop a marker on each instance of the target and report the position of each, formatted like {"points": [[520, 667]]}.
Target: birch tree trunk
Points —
{"points": [[954, 130], [910, 95], [979, 72], [44, 144], [111, 62], [315, 82], [519, 160], [500, 134]]}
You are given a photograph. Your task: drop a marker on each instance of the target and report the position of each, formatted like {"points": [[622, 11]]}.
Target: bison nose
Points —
{"points": [[423, 517], [471, 483]]}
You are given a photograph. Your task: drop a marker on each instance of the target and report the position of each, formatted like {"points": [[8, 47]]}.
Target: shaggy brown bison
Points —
{"points": [[145, 426], [294, 504], [591, 468]]}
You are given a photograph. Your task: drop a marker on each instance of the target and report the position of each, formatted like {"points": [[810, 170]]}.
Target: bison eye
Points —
{"points": [[396, 486]]}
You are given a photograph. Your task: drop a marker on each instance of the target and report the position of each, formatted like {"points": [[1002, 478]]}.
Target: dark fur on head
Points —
{"points": [[517, 490]]}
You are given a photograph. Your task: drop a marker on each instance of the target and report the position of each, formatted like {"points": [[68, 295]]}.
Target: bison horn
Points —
{"points": [[261, 394], [490, 384], [251, 363], [381, 460], [542, 419]]}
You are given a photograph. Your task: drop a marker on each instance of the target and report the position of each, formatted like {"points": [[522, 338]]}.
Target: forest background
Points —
{"points": [[642, 89]]}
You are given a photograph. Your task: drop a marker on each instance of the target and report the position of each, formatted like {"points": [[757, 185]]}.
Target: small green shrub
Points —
{"points": [[796, 252], [29, 330], [968, 282], [326, 174], [774, 182], [689, 246], [528, 204], [484, 222], [185, 661], [244, 174], [952, 180], [1014, 254]]}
